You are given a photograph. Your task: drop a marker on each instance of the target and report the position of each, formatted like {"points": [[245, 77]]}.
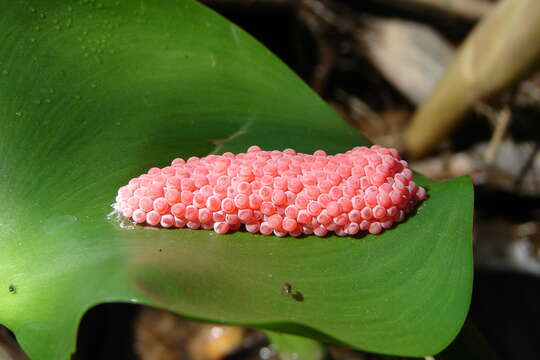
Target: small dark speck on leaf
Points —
{"points": [[294, 294], [12, 289], [160, 250], [297, 295], [287, 288]]}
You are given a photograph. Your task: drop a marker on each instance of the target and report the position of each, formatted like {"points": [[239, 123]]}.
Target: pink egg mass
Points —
{"points": [[276, 192]]}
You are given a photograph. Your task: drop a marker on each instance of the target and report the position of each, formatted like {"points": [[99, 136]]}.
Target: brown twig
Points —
{"points": [[311, 13], [325, 20], [502, 121], [528, 165]]}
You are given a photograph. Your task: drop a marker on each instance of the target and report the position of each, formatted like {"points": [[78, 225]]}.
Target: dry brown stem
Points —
{"points": [[502, 122]]}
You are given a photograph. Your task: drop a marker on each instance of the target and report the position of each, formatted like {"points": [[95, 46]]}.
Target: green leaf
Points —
{"points": [[95, 93], [291, 347]]}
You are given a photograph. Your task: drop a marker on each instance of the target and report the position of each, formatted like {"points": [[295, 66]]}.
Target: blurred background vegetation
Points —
{"points": [[453, 84]]}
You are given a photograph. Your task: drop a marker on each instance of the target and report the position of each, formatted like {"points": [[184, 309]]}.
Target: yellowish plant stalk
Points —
{"points": [[500, 51]]}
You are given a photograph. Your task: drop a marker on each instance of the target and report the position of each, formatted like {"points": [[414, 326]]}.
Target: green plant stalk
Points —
{"points": [[291, 347]]}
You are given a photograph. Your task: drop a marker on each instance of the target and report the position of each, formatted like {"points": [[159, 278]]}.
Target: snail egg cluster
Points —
{"points": [[276, 192]]}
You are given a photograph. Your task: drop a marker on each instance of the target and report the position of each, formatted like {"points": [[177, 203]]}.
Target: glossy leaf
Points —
{"points": [[292, 347], [94, 93]]}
